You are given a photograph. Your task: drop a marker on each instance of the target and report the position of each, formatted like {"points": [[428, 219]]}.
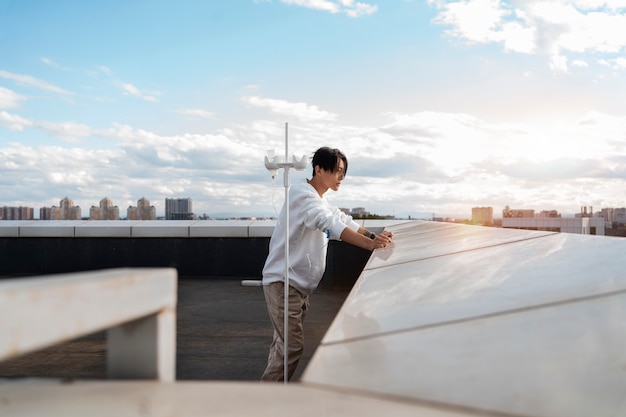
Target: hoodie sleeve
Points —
{"points": [[318, 214], [347, 220]]}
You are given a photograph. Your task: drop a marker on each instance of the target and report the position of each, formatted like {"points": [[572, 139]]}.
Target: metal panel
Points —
{"points": [[482, 281], [566, 360], [511, 321]]}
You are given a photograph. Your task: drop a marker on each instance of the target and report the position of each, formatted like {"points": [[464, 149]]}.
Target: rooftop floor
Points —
{"points": [[223, 333]]}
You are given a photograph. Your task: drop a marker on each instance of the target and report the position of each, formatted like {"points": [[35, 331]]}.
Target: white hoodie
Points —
{"points": [[311, 217]]}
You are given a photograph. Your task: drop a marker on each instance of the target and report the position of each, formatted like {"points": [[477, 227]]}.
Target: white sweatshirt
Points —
{"points": [[310, 217]]}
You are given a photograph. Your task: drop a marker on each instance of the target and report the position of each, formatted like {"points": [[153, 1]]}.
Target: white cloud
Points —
{"points": [[53, 64], [552, 27], [131, 90], [13, 122], [197, 113], [9, 99], [349, 7], [70, 132], [416, 162], [50, 62], [616, 64], [29, 81], [301, 111], [516, 38], [105, 70], [558, 64], [66, 131], [200, 166], [599, 4], [80, 178], [477, 20]]}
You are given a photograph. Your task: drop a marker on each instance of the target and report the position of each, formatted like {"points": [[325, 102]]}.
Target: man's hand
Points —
{"points": [[382, 240], [362, 239]]}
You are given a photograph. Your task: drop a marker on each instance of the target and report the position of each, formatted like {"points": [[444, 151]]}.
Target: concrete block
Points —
{"points": [[105, 228], [162, 228]]}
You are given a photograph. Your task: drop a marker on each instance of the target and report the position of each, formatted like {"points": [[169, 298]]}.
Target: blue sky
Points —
{"points": [[440, 106]]}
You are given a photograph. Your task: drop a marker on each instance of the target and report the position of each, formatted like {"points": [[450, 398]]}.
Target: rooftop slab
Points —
{"points": [[198, 399]]}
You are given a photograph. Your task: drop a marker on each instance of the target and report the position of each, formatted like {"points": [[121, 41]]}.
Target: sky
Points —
{"points": [[439, 106]]}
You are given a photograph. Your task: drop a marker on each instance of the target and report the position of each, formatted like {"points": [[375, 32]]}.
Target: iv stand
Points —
{"points": [[273, 166]]}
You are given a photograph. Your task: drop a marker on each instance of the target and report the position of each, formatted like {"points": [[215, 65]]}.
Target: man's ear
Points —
{"points": [[318, 170]]}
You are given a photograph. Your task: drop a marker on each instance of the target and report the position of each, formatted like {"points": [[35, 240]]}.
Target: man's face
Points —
{"points": [[331, 179]]}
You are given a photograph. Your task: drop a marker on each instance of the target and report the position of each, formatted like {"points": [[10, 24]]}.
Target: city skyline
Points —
{"points": [[440, 106], [107, 207], [144, 205]]}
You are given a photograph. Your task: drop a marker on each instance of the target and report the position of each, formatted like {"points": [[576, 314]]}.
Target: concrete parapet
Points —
{"points": [[207, 248]]}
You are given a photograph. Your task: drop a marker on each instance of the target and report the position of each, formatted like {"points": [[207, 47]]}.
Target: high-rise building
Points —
{"points": [[178, 209], [359, 212], [608, 214], [586, 212], [106, 211], [67, 211], [45, 213], [143, 211], [16, 213], [550, 214], [482, 215], [517, 213]]}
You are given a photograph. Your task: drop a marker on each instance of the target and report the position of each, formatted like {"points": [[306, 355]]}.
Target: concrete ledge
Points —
{"points": [[154, 228], [137, 306], [11, 228], [261, 228], [220, 228], [52, 228], [157, 228], [112, 228]]}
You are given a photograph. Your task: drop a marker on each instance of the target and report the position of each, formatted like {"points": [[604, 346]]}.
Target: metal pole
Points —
{"points": [[286, 307], [273, 165]]}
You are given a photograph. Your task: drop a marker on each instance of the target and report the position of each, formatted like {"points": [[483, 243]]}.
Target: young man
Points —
{"points": [[312, 221]]}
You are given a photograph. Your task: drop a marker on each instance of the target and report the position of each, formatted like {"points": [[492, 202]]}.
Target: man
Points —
{"points": [[312, 221]]}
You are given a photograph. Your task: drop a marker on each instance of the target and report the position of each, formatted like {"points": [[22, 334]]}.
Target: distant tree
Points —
{"points": [[371, 217]]}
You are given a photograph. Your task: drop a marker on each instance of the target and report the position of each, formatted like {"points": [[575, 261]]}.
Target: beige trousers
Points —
{"points": [[298, 306]]}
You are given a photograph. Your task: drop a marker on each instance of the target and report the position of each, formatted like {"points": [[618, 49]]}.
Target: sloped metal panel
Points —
{"points": [[433, 239], [508, 321]]}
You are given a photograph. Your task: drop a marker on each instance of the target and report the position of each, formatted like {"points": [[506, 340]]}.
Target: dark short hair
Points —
{"points": [[328, 159]]}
